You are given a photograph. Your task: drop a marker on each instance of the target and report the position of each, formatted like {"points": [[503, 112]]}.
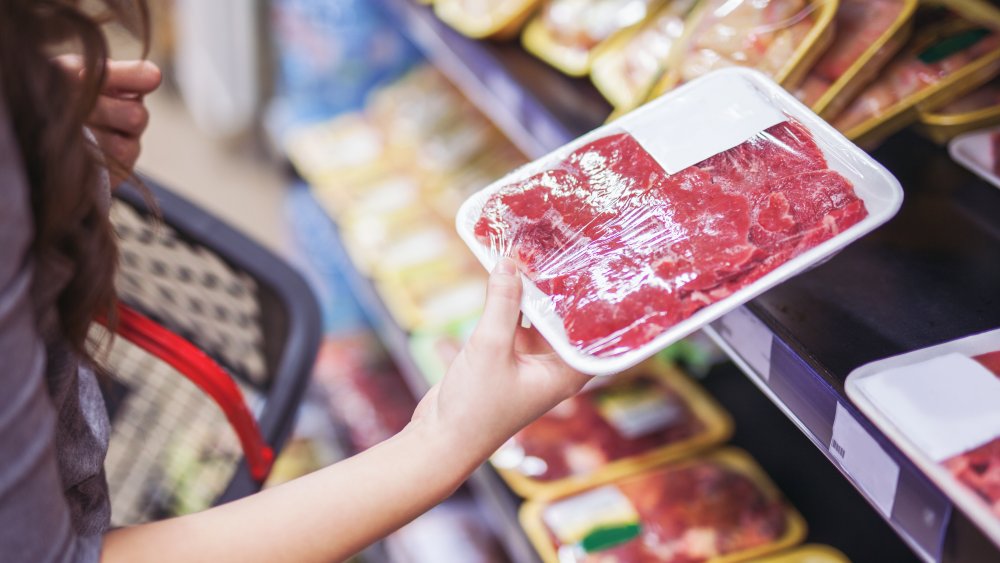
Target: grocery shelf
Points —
{"points": [[497, 503], [537, 108], [798, 342], [928, 276]]}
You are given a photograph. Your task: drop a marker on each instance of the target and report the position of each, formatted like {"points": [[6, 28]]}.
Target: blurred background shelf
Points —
{"points": [[799, 341]]}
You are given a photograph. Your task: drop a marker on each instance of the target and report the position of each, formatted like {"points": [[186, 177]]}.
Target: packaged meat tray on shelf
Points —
{"points": [[976, 110], [979, 151], [565, 33], [955, 47], [939, 405], [631, 237], [626, 66], [867, 33], [484, 19], [719, 507], [810, 553], [636, 420], [780, 38]]}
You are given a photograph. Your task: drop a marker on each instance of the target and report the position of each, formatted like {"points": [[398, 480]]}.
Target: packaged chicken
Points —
{"points": [[565, 32], [481, 19], [626, 66], [939, 405], [811, 553], [955, 48], [867, 34], [977, 110], [720, 507], [640, 232], [347, 149], [434, 302], [639, 419], [780, 38]]}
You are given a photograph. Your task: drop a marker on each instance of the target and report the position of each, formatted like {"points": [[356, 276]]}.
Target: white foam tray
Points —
{"points": [[962, 496], [973, 151], [879, 190]]}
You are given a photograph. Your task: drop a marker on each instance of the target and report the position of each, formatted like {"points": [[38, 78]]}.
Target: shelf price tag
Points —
{"points": [[749, 337], [864, 460]]}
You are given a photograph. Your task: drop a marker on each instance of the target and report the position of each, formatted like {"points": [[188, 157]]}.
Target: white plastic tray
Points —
{"points": [[972, 150], [879, 190], [962, 496]]}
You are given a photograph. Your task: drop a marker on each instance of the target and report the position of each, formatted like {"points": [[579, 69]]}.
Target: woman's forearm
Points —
{"points": [[325, 516]]}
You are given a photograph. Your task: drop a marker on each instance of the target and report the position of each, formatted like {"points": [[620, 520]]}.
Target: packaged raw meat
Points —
{"points": [[713, 508], [348, 148], [639, 419], [953, 50], [363, 389], [977, 110], [627, 66], [867, 33], [939, 405], [811, 553], [482, 19], [645, 229], [979, 151], [565, 32], [780, 38]]}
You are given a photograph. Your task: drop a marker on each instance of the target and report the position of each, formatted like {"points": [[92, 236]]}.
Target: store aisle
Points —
{"points": [[234, 181]]}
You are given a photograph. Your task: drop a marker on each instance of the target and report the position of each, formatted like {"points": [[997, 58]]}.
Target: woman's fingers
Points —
{"points": [[122, 152], [130, 78], [123, 116], [494, 334]]}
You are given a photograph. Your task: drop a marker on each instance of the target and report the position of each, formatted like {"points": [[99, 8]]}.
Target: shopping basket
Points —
{"points": [[214, 344]]}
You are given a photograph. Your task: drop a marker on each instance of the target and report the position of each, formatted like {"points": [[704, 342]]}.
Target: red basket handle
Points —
{"points": [[204, 372]]}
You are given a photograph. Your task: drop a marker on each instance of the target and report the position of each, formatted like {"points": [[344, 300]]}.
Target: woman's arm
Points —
{"points": [[503, 379]]}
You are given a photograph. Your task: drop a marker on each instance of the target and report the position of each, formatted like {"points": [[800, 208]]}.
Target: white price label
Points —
{"points": [[750, 338], [864, 460]]}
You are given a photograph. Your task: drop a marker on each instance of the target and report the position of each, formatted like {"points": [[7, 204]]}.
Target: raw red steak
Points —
{"points": [[625, 250], [694, 513], [979, 469]]}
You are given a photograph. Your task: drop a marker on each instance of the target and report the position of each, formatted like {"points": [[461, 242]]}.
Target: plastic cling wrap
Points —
{"points": [[626, 67], [717, 508], [632, 237], [868, 33], [952, 51], [780, 38], [640, 419], [565, 32]]}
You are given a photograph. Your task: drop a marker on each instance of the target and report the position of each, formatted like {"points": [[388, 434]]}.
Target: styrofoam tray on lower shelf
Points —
{"points": [[939, 405], [974, 151]]}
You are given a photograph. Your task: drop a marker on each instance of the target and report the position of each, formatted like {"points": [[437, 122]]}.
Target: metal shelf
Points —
{"points": [[928, 276]]}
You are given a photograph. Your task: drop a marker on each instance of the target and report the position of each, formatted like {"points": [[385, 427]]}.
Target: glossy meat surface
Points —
{"points": [[625, 250]]}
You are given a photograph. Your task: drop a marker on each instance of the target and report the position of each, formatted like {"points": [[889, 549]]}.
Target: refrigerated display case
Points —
{"points": [[928, 276]]}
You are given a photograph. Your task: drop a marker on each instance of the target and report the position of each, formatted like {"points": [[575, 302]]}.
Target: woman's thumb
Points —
{"points": [[498, 325]]}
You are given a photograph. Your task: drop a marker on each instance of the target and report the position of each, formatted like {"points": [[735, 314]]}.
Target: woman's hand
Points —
{"points": [[120, 116], [504, 378]]}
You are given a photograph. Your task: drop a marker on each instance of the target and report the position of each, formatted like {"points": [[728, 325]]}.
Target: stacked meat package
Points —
{"points": [[939, 405]]}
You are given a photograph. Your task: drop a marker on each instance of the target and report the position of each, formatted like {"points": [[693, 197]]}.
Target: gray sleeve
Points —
{"points": [[34, 516]]}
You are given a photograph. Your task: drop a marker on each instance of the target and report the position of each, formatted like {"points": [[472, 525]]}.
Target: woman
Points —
{"points": [[57, 262]]}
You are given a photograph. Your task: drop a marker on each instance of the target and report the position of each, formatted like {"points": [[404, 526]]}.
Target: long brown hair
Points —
{"points": [[47, 111]]}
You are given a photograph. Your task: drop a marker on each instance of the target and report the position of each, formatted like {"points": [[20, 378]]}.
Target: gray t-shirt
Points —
{"points": [[53, 424]]}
